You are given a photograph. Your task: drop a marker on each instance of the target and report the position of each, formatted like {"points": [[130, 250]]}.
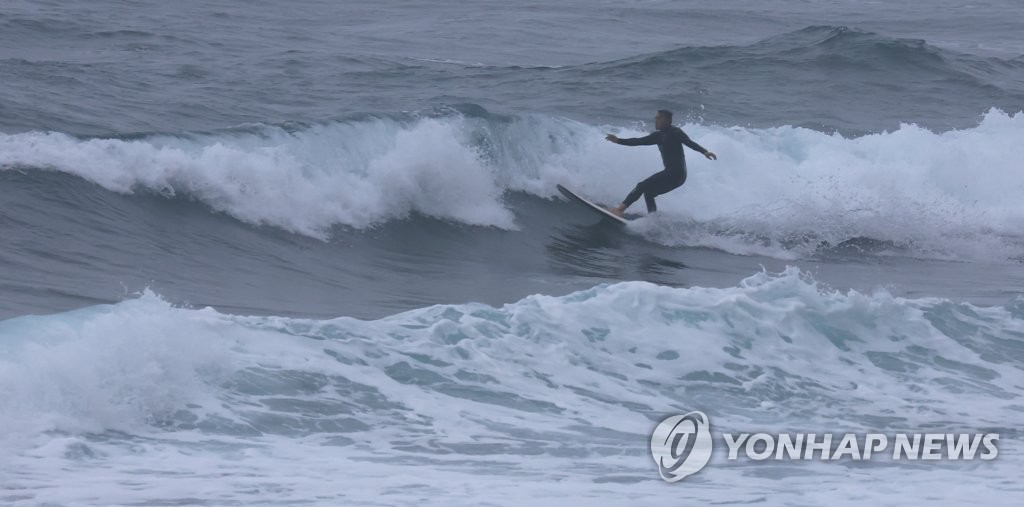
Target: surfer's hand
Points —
{"points": [[710, 155], [612, 138]]}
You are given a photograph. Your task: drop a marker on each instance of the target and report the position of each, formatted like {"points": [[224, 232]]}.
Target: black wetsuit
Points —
{"points": [[670, 141]]}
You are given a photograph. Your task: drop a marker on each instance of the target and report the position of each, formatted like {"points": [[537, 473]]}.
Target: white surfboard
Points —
{"points": [[597, 208]]}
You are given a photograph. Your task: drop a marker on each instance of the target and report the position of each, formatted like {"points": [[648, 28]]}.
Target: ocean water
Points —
{"points": [[271, 253]]}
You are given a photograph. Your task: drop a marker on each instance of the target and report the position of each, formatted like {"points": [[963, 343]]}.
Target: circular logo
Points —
{"points": [[681, 445]]}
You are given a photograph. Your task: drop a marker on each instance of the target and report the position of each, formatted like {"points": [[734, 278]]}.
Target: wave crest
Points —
{"points": [[783, 191]]}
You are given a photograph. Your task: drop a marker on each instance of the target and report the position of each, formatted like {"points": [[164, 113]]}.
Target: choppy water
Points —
{"points": [[404, 310]]}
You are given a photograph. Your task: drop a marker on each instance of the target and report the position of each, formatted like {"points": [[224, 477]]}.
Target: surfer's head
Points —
{"points": [[662, 119]]}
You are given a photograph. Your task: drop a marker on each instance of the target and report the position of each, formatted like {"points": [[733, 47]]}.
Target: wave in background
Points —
{"points": [[844, 54], [783, 191], [157, 79]]}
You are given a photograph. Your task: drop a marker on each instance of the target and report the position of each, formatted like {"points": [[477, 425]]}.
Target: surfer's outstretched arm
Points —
{"points": [[647, 140], [696, 147]]}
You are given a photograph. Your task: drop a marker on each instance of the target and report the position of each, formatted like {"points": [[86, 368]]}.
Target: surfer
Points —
{"points": [[669, 139]]}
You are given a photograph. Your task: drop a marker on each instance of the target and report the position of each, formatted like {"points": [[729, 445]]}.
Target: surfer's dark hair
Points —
{"points": [[665, 113]]}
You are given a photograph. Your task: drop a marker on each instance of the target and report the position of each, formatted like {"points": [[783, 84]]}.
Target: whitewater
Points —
{"points": [[778, 192], [270, 410]]}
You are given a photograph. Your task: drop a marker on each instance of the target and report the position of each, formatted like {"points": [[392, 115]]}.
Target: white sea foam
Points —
{"points": [[453, 403], [356, 174]]}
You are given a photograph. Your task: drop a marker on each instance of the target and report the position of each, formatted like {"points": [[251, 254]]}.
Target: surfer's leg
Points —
{"points": [[633, 195], [642, 188], [661, 183], [651, 205], [655, 185]]}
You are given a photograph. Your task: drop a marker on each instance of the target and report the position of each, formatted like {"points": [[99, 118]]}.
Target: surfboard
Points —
{"points": [[573, 196]]}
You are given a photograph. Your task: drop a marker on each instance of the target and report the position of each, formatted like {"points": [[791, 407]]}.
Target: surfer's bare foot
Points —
{"points": [[617, 210]]}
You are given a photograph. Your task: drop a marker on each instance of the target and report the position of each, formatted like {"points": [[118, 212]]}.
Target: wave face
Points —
{"points": [[785, 192], [466, 396]]}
